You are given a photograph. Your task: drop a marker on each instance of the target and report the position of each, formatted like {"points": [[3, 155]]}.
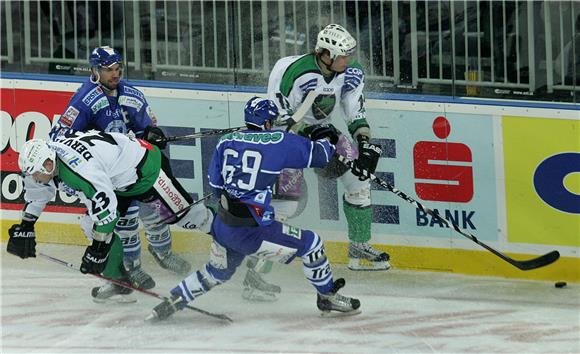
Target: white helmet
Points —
{"points": [[33, 155], [336, 40]]}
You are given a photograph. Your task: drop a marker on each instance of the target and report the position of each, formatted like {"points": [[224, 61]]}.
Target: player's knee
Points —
{"points": [[359, 197], [149, 215], [220, 267]]}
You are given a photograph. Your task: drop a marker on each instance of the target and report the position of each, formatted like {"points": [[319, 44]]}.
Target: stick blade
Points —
{"points": [[539, 262]]}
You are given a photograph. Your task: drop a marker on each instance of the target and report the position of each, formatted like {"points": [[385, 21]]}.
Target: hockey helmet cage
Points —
{"points": [[33, 155], [336, 40]]}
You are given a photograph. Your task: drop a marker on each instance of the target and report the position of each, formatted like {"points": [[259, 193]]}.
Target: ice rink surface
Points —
{"points": [[46, 308]]}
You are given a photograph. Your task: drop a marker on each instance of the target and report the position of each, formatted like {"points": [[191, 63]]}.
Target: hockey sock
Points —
{"points": [[196, 284], [159, 238], [131, 250], [359, 222], [316, 266], [115, 261]]}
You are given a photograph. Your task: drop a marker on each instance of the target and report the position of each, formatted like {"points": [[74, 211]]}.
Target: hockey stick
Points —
{"points": [[292, 122], [297, 117], [534, 263], [200, 134], [182, 211], [129, 286], [305, 106]]}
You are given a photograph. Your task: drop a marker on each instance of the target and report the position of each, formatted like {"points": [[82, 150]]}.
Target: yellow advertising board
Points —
{"points": [[542, 180]]}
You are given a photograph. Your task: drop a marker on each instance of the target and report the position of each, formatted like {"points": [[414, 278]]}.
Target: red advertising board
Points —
{"points": [[27, 114]]}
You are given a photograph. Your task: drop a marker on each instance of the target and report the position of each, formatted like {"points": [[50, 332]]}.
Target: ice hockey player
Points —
{"points": [[339, 81], [108, 103], [244, 167], [106, 171]]}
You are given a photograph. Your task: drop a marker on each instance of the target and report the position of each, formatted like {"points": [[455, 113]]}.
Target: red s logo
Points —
{"points": [[445, 166]]}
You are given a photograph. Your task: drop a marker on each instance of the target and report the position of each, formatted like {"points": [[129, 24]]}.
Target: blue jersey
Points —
{"points": [[246, 164], [91, 108]]}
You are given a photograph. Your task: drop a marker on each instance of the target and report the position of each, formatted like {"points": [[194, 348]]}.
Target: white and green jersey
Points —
{"points": [[101, 166], [293, 77]]}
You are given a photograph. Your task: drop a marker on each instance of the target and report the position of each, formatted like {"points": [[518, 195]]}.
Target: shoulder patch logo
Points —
{"points": [[128, 101], [133, 91], [100, 104], [92, 95], [69, 116]]}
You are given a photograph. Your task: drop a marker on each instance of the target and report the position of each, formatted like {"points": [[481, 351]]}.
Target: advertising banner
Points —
{"points": [[28, 114], [542, 179], [445, 161]]}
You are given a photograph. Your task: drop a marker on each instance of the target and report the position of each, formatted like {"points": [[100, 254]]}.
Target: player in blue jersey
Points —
{"points": [[244, 168], [338, 82], [108, 103]]}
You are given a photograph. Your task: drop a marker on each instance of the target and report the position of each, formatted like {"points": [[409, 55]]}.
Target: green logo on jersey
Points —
{"points": [[258, 137], [292, 231], [323, 106]]}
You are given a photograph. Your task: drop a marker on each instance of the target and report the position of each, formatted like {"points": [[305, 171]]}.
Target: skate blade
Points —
{"points": [[364, 265], [116, 299], [152, 317], [255, 296], [335, 314]]}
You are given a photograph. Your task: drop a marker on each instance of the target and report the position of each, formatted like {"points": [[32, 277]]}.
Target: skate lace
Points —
{"points": [[370, 249], [138, 276], [364, 249], [336, 302], [341, 300]]}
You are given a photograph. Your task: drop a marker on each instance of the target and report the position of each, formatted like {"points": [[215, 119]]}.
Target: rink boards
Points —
{"points": [[508, 174]]}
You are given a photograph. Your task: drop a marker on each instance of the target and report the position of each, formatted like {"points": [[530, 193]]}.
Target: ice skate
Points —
{"points": [[167, 308], [139, 278], [257, 289], [363, 256], [112, 293], [335, 304], [171, 261]]}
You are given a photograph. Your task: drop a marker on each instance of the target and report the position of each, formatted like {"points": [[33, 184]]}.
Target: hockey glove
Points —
{"points": [[22, 241], [368, 158], [155, 135], [95, 257], [317, 132]]}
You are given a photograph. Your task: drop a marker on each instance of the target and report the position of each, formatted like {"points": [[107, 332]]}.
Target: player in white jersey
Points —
{"points": [[107, 171], [107, 102], [338, 80]]}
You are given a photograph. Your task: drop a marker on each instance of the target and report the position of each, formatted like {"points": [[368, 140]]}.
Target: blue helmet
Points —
{"points": [[104, 56], [258, 111]]}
